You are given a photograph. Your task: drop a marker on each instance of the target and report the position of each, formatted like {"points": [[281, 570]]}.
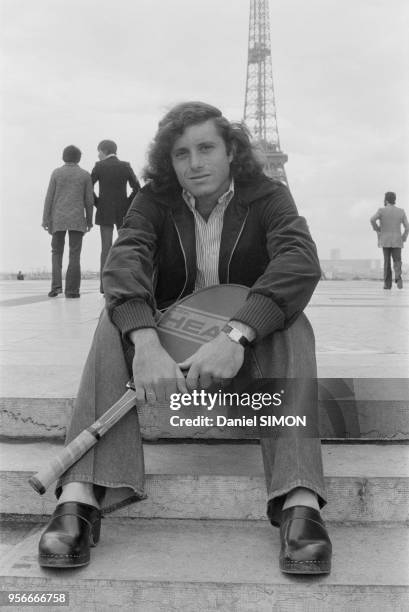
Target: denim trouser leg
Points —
{"points": [[57, 252], [292, 460], [73, 276], [116, 462]]}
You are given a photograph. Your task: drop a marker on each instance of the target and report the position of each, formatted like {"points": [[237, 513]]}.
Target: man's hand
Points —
{"points": [[89, 227], [156, 375], [213, 362]]}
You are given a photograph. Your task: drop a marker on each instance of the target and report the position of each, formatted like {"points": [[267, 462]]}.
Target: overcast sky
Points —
{"points": [[78, 71]]}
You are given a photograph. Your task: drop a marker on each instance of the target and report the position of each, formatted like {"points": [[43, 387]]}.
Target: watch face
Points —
{"points": [[235, 335]]}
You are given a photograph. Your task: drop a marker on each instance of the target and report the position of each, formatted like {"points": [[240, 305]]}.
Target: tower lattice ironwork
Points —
{"points": [[259, 107]]}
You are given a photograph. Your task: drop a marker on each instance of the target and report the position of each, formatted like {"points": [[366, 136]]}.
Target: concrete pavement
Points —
{"points": [[361, 332]]}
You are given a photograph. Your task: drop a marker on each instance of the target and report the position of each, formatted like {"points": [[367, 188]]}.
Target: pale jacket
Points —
{"points": [[387, 223], [70, 199]]}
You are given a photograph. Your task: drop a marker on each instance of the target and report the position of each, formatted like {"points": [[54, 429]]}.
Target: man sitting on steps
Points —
{"points": [[207, 215]]}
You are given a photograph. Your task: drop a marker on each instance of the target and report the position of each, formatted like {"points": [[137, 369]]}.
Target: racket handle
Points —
{"points": [[63, 460]]}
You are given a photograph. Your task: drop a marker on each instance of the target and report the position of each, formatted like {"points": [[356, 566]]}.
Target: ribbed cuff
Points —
{"points": [[133, 314], [262, 314]]}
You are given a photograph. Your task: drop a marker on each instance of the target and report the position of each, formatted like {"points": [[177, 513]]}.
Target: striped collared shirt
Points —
{"points": [[208, 235]]}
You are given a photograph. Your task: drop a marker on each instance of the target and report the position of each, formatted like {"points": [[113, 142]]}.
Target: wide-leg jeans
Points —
{"points": [[73, 275], [116, 462]]}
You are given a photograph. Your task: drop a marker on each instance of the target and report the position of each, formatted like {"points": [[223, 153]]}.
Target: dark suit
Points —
{"points": [[113, 202]]}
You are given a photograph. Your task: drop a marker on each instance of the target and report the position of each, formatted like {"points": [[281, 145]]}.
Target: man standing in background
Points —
{"points": [[113, 202], [390, 238], [68, 208]]}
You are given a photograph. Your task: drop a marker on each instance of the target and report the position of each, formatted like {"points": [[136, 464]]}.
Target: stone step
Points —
{"points": [[348, 408], [180, 566], [365, 482], [11, 533]]}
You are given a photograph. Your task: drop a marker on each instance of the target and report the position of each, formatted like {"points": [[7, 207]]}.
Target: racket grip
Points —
{"points": [[63, 460]]}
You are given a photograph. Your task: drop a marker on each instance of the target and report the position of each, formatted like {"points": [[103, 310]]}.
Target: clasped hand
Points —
{"points": [[214, 362], [157, 375]]}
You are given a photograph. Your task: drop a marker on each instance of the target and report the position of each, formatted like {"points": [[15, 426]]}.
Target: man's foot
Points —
{"points": [[399, 283], [72, 529], [54, 293], [385, 287], [72, 295], [305, 544]]}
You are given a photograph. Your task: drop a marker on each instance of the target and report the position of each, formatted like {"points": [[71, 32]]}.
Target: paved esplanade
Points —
{"points": [[200, 540], [361, 332]]}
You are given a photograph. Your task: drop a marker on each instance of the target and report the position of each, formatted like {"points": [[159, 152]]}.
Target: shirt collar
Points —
{"points": [[224, 199], [110, 155]]}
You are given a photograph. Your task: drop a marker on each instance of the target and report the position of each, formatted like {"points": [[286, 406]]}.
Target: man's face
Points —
{"points": [[201, 162], [101, 155]]}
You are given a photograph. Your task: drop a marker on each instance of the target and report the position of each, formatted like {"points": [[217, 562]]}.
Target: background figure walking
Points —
{"points": [[387, 223], [113, 202], [68, 207]]}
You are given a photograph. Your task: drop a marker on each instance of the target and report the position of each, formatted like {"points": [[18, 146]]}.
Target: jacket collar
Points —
{"points": [[233, 223]]}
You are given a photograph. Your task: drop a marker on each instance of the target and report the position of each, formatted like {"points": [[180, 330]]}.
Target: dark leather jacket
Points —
{"points": [[265, 245]]}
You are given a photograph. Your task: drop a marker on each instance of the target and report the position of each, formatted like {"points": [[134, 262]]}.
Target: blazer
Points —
{"points": [[265, 245], [112, 203], [69, 201], [390, 219]]}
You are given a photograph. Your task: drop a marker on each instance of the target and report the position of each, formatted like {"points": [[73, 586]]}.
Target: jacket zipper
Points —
{"points": [[235, 244], [155, 277], [184, 257]]}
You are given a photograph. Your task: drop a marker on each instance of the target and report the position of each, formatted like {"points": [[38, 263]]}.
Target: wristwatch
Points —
{"points": [[235, 334]]}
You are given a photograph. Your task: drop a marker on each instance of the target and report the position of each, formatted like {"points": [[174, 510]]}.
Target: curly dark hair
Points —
{"points": [[159, 170]]}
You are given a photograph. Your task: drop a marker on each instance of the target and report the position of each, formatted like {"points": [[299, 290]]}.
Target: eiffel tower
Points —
{"points": [[259, 106]]}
